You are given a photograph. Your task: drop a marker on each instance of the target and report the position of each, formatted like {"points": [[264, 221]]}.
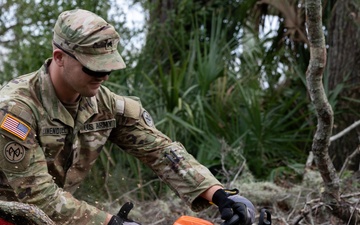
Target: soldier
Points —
{"points": [[55, 121]]}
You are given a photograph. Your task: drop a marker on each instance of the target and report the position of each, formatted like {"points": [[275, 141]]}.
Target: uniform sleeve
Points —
{"points": [[137, 135], [24, 165]]}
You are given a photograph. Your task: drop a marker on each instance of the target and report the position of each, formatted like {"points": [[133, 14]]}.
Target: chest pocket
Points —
{"points": [[52, 139], [94, 135]]}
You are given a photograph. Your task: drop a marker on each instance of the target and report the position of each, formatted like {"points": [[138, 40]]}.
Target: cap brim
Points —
{"points": [[101, 62]]}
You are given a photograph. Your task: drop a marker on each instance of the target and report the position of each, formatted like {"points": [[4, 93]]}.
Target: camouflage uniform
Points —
{"points": [[45, 153]]}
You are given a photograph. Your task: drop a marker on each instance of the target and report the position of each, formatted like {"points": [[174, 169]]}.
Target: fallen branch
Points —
{"points": [[305, 213], [29, 212]]}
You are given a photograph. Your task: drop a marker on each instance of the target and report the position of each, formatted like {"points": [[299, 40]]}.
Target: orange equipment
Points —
{"points": [[189, 220]]}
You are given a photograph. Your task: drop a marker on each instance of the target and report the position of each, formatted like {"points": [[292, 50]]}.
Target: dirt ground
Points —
{"points": [[288, 204]]}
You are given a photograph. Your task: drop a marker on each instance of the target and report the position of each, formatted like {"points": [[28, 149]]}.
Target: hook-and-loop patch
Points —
{"points": [[14, 152], [15, 126]]}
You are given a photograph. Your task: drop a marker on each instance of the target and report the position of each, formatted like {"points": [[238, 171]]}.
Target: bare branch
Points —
{"points": [[241, 168], [345, 131], [348, 160]]}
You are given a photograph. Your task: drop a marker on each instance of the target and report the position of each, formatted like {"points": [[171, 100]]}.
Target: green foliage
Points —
{"points": [[205, 96]]}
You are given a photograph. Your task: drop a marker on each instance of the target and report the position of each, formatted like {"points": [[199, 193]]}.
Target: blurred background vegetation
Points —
{"points": [[224, 77]]}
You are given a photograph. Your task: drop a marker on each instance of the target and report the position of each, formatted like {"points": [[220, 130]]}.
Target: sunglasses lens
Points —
{"points": [[94, 73]]}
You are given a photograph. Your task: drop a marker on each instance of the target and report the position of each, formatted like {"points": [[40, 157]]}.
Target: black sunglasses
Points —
{"points": [[84, 69]]}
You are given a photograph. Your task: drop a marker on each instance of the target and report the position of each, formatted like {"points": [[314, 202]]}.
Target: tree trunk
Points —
{"points": [[314, 75], [344, 68]]}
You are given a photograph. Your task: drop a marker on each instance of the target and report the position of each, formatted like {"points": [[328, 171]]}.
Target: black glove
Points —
{"points": [[234, 209], [122, 217]]}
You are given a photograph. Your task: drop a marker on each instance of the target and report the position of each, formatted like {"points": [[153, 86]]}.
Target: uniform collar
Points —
{"points": [[56, 110]]}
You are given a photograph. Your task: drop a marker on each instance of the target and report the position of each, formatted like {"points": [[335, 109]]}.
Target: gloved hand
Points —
{"points": [[122, 217], [234, 209]]}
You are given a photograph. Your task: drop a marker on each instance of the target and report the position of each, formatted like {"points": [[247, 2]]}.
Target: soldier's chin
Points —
{"points": [[91, 93]]}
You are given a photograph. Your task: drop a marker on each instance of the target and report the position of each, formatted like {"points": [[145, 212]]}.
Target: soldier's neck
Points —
{"points": [[63, 93]]}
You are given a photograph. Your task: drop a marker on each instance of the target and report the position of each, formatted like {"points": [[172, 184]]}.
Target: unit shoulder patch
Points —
{"points": [[14, 152], [148, 119], [15, 126]]}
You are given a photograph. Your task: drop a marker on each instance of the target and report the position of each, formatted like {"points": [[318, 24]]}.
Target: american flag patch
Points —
{"points": [[15, 126]]}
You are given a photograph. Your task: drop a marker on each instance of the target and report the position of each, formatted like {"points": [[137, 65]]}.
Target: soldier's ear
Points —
{"points": [[58, 57]]}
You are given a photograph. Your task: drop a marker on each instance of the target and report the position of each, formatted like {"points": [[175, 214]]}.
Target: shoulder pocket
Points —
{"points": [[132, 108], [129, 110]]}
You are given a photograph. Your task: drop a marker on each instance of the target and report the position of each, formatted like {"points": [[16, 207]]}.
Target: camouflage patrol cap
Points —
{"points": [[90, 39]]}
